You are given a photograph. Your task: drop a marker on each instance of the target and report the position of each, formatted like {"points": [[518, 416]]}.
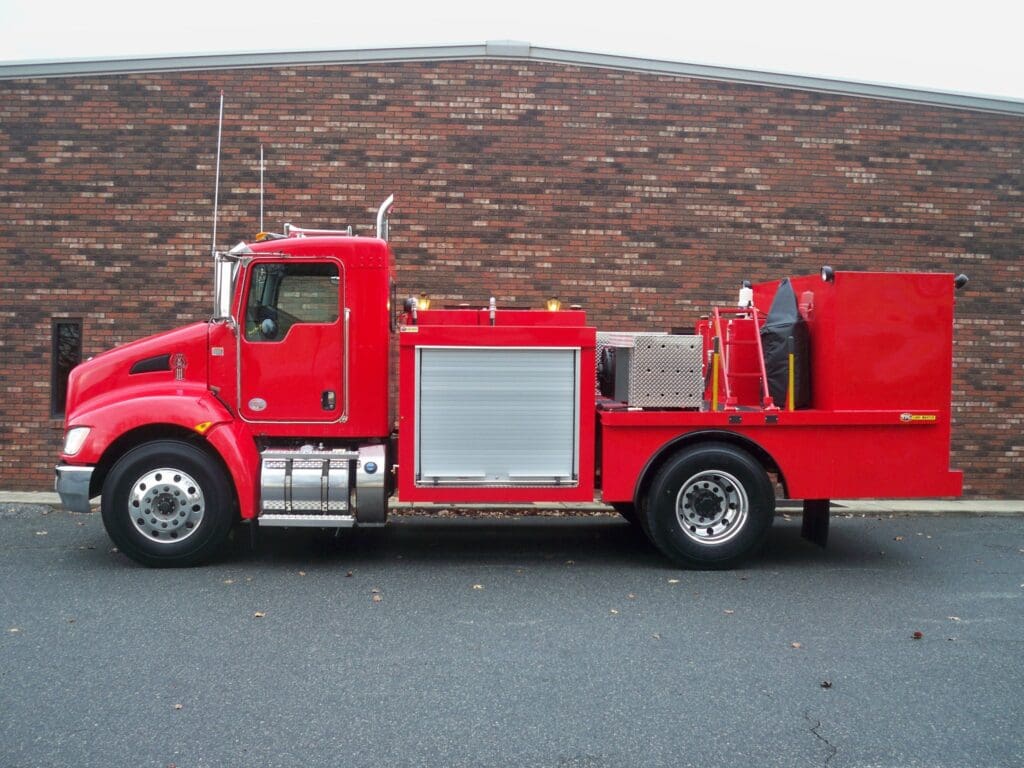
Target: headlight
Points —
{"points": [[74, 440]]}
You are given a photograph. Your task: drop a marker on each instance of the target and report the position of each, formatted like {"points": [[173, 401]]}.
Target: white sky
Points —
{"points": [[972, 47]]}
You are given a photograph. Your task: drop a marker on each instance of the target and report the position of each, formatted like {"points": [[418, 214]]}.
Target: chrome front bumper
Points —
{"points": [[73, 486]]}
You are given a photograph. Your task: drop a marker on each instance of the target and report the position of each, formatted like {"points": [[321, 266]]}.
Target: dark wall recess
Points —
{"points": [[66, 354]]}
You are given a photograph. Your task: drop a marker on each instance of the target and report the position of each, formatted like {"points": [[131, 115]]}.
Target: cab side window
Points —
{"points": [[282, 295]]}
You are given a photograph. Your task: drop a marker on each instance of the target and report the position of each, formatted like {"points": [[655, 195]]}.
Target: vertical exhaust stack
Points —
{"points": [[382, 217], [218, 282]]}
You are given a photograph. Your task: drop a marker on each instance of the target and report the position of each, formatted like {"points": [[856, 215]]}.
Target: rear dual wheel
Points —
{"points": [[709, 506], [167, 503]]}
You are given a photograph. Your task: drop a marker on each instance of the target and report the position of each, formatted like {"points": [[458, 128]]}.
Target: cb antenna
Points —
{"points": [[261, 188], [216, 180]]}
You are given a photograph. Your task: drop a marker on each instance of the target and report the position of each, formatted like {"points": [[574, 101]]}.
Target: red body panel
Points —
{"points": [[878, 340], [106, 377], [188, 406], [512, 329], [879, 425], [820, 455]]}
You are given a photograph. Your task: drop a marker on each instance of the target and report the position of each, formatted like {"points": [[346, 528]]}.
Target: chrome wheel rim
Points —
{"points": [[712, 507], [166, 505]]}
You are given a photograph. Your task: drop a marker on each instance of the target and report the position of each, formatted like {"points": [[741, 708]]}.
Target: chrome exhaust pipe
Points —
{"points": [[382, 217]]}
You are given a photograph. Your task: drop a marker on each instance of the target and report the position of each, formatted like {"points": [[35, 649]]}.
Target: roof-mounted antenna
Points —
{"points": [[216, 181], [261, 189]]}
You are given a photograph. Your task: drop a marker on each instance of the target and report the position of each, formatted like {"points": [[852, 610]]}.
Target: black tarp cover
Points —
{"points": [[782, 323]]}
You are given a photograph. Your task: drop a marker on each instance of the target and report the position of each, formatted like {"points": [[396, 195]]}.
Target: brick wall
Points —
{"points": [[643, 197]]}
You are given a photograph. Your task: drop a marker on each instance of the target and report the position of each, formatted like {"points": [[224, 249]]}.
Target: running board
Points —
{"points": [[306, 521]]}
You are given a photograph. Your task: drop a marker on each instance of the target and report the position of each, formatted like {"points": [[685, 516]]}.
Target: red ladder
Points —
{"points": [[727, 345]]}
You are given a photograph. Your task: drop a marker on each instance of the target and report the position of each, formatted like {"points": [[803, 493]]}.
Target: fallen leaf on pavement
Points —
{"points": [[917, 635], [348, 575], [229, 581], [259, 614], [897, 538], [377, 598], [656, 636], [673, 581], [614, 612], [14, 630], [177, 706], [302, 573], [826, 683], [40, 533], [478, 586], [631, 596], [728, 612], [953, 618], [796, 645]]}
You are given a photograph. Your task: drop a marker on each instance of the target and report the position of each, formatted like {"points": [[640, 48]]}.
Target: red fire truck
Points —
{"points": [[280, 410]]}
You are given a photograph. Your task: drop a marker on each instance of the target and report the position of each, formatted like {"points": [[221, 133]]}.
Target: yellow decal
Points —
{"points": [[409, 329], [909, 417], [201, 428]]}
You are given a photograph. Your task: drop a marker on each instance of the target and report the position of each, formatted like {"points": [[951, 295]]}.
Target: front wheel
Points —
{"points": [[167, 503], [710, 506]]}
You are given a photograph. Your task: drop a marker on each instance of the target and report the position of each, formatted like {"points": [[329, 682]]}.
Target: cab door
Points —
{"points": [[292, 352]]}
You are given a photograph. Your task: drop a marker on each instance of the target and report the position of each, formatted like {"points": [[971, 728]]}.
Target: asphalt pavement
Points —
{"points": [[525, 641]]}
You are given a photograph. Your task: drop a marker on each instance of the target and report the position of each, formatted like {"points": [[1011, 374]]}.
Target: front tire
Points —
{"points": [[710, 506], [167, 503]]}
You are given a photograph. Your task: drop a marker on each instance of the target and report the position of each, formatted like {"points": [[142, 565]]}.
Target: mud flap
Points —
{"points": [[815, 522]]}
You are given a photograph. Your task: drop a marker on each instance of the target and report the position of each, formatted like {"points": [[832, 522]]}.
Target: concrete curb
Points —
{"points": [[854, 506]]}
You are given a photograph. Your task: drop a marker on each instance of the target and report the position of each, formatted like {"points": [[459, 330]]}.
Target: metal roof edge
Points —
{"points": [[952, 99], [506, 49]]}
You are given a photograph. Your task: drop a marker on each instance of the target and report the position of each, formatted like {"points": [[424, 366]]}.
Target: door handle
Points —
{"points": [[328, 400]]}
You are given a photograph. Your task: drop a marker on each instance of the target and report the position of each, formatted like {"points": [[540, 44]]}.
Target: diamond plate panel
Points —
{"points": [[656, 370], [665, 371]]}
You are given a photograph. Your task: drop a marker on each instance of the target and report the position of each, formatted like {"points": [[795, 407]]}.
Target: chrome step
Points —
{"points": [[306, 521]]}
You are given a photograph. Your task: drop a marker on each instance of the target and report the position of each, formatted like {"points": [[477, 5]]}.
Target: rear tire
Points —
{"points": [[709, 506], [167, 503]]}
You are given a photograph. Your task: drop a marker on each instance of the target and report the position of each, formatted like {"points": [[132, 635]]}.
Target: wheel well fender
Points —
{"points": [[242, 460], [133, 438], [660, 456]]}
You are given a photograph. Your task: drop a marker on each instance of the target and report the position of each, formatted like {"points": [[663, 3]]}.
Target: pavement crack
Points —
{"points": [[814, 729]]}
